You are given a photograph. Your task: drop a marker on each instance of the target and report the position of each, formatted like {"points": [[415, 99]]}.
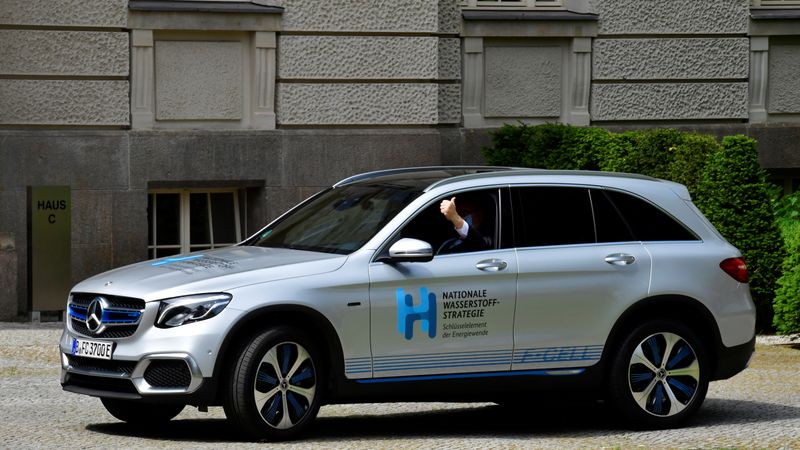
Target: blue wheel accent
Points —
{"points": [[297, 410], [271, 414], [264, 378], [655, 350], [285, 362], [658, 399], [682, 353], [303, 374], [688, 391]]}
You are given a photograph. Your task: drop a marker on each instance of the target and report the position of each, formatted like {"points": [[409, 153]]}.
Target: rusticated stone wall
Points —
{"points": [[784, 77], [679, 60], [359, 62], [63, 74]]}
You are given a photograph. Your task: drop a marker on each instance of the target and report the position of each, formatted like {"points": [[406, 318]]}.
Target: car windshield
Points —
{"points": [[339, 220]]}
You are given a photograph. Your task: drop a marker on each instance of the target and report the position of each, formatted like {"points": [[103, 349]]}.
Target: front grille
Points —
{"points": [[109, 333], [168, 374], [102, 365], [122, 311], [83, 299]]}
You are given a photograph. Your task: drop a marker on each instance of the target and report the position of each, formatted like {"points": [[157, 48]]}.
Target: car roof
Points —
{"points": [[419, 178], [427, 178]]}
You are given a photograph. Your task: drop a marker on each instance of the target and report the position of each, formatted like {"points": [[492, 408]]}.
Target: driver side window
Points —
{"points": [[479, 209]]}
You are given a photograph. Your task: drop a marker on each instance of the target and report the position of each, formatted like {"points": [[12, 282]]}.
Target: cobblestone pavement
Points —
{"points": [[759, 408]]}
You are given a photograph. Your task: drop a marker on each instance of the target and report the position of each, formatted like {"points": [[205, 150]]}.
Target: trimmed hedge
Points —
{"points": [[734, 195], [724, 179], [787, 296]]}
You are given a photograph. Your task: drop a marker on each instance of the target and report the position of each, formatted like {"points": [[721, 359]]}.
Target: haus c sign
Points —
{"points": [[49, 240]]}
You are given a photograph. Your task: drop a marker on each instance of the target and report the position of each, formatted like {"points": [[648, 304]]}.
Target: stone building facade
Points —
{"points": [[183, 125]]}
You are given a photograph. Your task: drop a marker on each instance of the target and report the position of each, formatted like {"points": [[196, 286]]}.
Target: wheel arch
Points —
{"points": [[680, 308], [302, 317]]}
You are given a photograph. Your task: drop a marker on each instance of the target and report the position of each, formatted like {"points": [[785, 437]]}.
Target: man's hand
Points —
{"points": [[448, 208]]}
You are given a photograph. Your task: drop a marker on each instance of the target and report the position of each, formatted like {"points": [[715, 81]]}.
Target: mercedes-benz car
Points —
{"points": [[613, 286]]}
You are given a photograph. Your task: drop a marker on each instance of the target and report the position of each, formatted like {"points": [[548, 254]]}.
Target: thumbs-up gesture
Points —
{"points": [[448, 208]]}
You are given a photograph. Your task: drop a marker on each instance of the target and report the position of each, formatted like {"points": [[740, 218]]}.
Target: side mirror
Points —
{"points": [[410, 250]]}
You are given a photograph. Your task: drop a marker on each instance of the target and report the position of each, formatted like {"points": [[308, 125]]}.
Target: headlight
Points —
{"points": [[192, 308]]}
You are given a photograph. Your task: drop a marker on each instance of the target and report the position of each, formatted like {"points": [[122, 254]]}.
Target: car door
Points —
{"points": [[579, 269], [450, 315]]}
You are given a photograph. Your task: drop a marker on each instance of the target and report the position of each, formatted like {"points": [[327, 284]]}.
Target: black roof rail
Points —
{"points": [[381, 173]]}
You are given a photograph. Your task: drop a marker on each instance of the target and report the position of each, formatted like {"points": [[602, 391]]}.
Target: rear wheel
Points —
{"points": [[660, 376], [274, 389], [138, 413]]}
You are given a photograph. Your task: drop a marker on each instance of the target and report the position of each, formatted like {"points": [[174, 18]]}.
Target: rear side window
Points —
{"points": [[647, 222], [609, 224], [553, 216]]}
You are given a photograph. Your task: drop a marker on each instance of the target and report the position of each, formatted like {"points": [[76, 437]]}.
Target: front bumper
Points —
{"points": [[153, 363]]}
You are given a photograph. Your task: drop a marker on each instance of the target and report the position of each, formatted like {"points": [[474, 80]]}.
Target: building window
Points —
{"points": [[188, 220]]}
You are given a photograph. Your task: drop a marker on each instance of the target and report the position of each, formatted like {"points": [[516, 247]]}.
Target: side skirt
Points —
{"points": [[478, 386]]}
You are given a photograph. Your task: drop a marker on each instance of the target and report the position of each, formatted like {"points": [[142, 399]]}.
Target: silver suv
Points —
{"points": [[611, 285]]}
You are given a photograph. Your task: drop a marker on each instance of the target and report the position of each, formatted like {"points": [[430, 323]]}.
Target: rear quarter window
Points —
{"points": [[646, 221]]}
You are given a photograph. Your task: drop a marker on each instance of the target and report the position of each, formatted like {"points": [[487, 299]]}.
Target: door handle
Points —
{"points": [[491, 265], [620, 259]]}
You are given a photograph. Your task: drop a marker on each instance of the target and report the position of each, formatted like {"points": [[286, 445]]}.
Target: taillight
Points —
{"points": [[736, 268]]}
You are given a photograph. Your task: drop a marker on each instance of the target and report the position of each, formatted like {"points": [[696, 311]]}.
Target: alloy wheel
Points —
{"points": [[663, 374], [285, 385]]}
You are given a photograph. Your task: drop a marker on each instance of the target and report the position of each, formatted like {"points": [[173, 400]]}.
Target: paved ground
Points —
{"points": [[759, 408]]}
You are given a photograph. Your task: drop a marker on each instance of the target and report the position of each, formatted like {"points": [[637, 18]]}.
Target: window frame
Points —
{"points": [[184, 226], [503, 201], [517, 214]]}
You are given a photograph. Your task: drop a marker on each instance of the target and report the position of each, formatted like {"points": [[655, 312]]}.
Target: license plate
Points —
{"points": [[92, 349]]}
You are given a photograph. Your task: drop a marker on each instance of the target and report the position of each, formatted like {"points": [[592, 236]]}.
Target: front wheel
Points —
{"points": [[274, 388], [138, 413], [660, 375]]}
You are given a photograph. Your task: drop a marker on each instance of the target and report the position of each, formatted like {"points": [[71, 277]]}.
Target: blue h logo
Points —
{"points": [[407, 313]]}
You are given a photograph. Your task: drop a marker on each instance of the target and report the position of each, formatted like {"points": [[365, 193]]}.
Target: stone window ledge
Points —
{"points": [[529, 24], [774, 22], [775, 14], [202, 15], [203, 6], [528, 15]]}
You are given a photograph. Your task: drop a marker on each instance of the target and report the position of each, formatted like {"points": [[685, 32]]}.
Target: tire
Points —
{"points": [[275, 387], [138, 413], [659, 378]]}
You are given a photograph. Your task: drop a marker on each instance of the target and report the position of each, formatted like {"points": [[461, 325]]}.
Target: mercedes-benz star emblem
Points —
{"points": [[94, 315]]}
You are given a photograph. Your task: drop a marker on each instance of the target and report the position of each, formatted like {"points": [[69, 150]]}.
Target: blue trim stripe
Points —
{"points": [[437, 364], [354, 366], [418, 355], [558, 354], [174, 260], [442, 360], [549, 373]]}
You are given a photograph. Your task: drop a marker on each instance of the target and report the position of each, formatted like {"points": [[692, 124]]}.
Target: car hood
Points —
{"points": [[209, 271]]}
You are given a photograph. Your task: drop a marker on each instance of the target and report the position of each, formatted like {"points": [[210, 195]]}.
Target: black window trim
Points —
{"points": [[659, 208], [515, 205]]}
